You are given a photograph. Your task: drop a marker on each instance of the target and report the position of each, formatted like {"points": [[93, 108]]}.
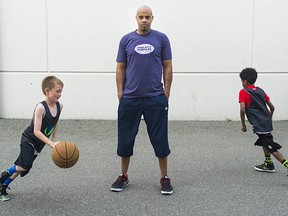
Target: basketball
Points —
{"points": [[65, 154]]}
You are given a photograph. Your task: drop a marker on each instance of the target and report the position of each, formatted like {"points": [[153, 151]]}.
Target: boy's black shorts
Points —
{"points": [[26, 157], [267, 141]]}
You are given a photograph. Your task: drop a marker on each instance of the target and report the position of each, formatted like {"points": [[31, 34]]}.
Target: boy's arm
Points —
{"points": [[242, 116], [38, 115], [55, 132], [271, 107]]}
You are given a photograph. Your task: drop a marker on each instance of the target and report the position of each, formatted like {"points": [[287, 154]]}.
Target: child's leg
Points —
{"points": [[25, 159], [275, 152], [22, 166], [266, 142], [15, 168], [8, 181], [7, 176], [271, 147], [267, 155], [280, 158], [266, 152], [3, 193], [268, 165]]}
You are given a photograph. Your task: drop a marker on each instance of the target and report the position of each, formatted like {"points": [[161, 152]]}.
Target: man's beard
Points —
{"points": [[144, 29]]}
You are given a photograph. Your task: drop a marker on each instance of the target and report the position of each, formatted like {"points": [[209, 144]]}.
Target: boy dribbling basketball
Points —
{"points": [[44, 125]]}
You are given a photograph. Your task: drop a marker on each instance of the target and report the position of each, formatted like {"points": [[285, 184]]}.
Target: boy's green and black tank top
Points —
{"points": [[257, 112], [48, 125]]}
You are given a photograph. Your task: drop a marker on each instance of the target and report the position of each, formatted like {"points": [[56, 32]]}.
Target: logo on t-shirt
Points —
{"points": [[144, 49]]}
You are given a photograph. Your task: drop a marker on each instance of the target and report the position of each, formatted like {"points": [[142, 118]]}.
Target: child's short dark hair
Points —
{"points": [[249, 74]]}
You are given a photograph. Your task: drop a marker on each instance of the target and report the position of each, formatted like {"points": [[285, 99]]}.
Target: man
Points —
{"points": [[144, 58]]}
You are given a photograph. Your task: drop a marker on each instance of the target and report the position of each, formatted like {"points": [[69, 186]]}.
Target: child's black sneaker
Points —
{"points": [[166, 187], [121, 182], [4, 196], [265, 167]]}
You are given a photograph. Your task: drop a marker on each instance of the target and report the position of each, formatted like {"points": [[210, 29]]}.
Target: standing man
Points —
{"points": [[144, 58]]}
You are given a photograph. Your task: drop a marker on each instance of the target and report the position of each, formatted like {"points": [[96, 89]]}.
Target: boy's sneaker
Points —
{"points": [[166, 187], [121, 182], [265, 167], [4, 196]]}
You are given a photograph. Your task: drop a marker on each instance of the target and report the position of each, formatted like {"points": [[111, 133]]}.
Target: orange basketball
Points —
{"points": [[65, 154]]}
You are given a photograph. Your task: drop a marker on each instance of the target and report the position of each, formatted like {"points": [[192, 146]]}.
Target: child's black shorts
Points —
{"points": [[26, 157], [267, 141]]}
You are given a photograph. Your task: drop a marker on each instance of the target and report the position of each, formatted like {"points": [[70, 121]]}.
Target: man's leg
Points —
{"points": [[125, 165], [163, 166]]}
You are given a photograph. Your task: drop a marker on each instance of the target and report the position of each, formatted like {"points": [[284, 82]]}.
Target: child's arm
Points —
{"points": [[271, 107], [55, 132], [242, 116], [38, 116]]}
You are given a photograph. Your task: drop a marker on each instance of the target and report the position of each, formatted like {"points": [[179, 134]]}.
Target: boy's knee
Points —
{"points": [[20, 168]]}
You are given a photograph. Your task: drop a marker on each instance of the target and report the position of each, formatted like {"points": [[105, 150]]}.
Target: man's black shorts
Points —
{"points": [[155, 113]]}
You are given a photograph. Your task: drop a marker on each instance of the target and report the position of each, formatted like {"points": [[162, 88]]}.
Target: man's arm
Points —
{"points": [[120, 78], [167, 76]]}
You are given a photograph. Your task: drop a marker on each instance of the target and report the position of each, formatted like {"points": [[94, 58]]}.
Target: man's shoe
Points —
{"points": [[265, 167], [121, 182], [166, 187]]}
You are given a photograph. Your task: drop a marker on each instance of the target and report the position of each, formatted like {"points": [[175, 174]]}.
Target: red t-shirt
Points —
{"points": [[246, 98]]}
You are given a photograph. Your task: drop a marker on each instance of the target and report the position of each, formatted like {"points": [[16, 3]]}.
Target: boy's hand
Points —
{"points": [[53, 144], [244, 129]]}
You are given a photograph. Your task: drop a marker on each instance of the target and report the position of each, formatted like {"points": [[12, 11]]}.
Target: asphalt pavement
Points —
{"points": [[211, 167]]}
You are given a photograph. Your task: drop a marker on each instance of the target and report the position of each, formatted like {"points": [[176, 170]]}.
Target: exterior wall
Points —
{"points": [[77, 40]]}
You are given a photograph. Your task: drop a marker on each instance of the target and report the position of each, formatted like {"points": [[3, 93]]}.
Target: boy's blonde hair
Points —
{"points": [[49, 82]]}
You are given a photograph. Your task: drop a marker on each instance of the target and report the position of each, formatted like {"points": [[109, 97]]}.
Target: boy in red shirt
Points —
{"points": [[253, 102]]}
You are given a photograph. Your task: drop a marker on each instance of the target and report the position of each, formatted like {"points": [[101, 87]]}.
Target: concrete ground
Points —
{"points": [[211, 167]]}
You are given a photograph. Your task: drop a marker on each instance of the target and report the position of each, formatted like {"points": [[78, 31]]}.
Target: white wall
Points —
{"points": [[77, 40]]}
